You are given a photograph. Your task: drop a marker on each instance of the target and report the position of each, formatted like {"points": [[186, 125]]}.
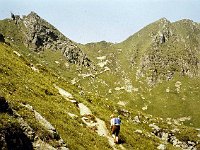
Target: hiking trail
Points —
{"points": [[86, 114]]}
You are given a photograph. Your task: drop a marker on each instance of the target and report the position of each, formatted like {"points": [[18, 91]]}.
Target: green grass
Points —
{"points": [[176, 54], [20, 84]]}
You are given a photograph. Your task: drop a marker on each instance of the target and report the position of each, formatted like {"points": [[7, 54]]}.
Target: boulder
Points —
{"points": [[14, 137], [161, 147]]}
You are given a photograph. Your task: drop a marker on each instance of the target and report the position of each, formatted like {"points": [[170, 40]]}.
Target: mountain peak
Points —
{"points": [[34, 14], [33, 17], [163, 20], [37, 34], [42, 35]]}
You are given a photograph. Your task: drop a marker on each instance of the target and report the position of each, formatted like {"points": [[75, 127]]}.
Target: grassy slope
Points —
{"points": [[20, 84], [160, 102], [12, 31]]}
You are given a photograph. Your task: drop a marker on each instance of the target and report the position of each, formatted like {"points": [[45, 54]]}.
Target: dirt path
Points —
{"points": [[85, 112], [100, 124]]}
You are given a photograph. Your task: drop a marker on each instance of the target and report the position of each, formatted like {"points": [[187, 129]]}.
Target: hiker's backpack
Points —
{"points": [[117, 121]]}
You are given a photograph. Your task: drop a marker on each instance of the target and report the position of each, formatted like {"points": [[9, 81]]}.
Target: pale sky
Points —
{"points": [[86, 21]]}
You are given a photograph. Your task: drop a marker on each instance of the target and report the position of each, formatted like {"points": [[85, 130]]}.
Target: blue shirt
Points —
{"points": [[115, 121]]}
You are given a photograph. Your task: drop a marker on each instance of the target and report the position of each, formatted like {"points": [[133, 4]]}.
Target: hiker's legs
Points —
{"points": [[114, 137], [117, 134], [113, 132], [117, 139]]}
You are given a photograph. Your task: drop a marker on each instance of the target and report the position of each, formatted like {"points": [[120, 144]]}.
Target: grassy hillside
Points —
{"points": [[147, 77], [146, 69], [21, 85]]}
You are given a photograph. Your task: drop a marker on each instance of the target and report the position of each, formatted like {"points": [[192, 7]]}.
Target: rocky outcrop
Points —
{"points": [[167, 136], [20, 135], [16, 18], [14, 137], [47, 125], [164, 34], [38, 143], [41, 35], [170, 51]]}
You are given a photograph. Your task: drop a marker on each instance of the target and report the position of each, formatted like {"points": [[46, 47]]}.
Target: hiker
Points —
{"points": [[115, 127]]}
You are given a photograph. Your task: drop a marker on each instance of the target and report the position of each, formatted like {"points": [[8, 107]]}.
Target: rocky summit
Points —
{"points": [[37, 35], [57, 94]]}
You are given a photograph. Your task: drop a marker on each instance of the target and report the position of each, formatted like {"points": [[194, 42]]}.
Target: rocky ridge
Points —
{"points": [[40, 35], [170, 48]]}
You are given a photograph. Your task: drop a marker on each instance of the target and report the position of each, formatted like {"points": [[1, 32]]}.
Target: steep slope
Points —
{"points": [[163, 49], [33, 112], [43, 94], [38, 35], [30, 92], [156, 69]]}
